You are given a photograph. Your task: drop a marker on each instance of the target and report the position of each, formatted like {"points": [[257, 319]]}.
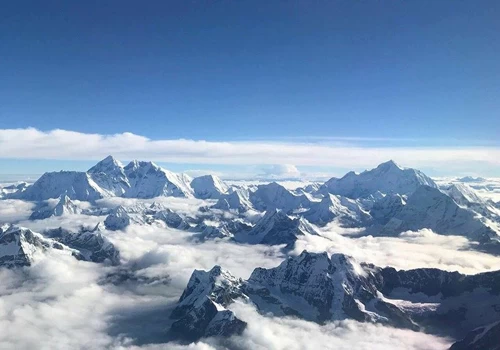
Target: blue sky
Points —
{"points": [[387, 73]]}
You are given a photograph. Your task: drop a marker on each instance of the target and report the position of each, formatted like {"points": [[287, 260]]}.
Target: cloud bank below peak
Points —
{"points": [[59, 144]]}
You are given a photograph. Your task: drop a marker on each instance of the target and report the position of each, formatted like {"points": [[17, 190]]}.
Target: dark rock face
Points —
{"points": [[207, 320], [91, 245], [434, 281], [323, 289], [276, 228], [171, 219], [320, 288], [201, 309], [482, 338]]}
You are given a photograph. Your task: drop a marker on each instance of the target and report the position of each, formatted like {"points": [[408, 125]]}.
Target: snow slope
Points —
{"points": [[387, 178]]}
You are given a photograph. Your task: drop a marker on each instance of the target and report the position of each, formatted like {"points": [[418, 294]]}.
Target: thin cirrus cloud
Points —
{"points": [[31, 143]]}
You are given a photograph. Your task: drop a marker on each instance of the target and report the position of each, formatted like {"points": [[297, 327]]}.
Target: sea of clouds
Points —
{"points": [[63, 303]]}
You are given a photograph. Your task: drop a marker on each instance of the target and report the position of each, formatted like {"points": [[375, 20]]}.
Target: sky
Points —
{"points": [[414, 81]]}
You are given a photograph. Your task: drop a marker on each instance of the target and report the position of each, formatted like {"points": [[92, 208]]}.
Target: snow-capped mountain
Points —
{"points": [[109, 178], [334, 207], [109, 175], [467, 179], [121, 217], [387, 178], [276, 228], [74, 184], [310, 189], [148, 180], [171, 219], [208, 187], [430, 208], [19, 246], [314, 287], [467, 197], [212, 231], [274, 195], [201, 310], [319, 288], [442, 301], [9, 190], [237, 200], [463, 194], [90, 244], [64, 206]]}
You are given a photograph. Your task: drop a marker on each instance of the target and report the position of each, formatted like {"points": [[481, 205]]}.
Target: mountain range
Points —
{"points": [[317, 287], [321, 288]]}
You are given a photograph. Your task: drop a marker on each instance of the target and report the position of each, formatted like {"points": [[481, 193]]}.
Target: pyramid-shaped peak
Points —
{"points": [[106, 165], [109, 159], [390, 164]]}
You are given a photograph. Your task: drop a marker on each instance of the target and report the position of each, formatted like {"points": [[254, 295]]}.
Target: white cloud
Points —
{"points": [[62, 144], [410, 250], [288, 333], [279, 171], [13, 210], [60, 303]]}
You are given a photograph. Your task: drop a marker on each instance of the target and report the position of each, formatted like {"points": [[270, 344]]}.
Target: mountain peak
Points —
{"points": [[18, 245], [387, 178], [208, 187], [389, 165], [107, 165]]}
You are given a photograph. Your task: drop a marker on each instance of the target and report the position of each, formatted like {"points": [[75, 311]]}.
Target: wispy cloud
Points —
{"points": [[70, 145]]}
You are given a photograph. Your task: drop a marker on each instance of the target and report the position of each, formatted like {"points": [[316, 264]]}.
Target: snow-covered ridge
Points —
{"points": [[276, 228], [110, 178], [387, 178], [201, 310], [64, 206], [209, 187], [275, 196], [321, 288], [387, 200], [430, 208], [21, 246], [18, 246]]}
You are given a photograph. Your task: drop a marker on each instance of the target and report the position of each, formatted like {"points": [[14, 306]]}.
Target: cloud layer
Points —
{"points": [[62, 144], [62, 303]]}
